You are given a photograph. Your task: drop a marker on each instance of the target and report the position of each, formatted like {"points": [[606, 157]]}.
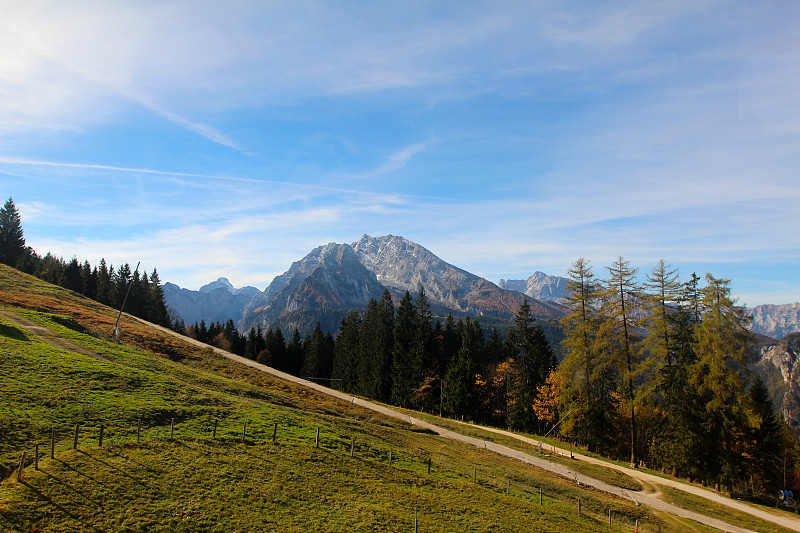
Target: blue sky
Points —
{"points": [[230, 138]]}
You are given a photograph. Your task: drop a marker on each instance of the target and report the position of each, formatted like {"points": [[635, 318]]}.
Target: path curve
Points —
{"points": [[640, 497]]}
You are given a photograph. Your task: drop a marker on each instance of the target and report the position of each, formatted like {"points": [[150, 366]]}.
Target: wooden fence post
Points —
{"points": [[474, 474], [214, 434], [609, 517], [352, 446], [75, 442], [36, 458], [244, 431], [429, 465], [100, 440], [541, 500], [21, 465], [636, 530], [53, 444], [508, 486], [316, 440]]}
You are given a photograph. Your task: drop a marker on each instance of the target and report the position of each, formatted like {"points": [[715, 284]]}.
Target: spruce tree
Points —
{"points": [[346, 351], [12, 239], [459, 388], [318, 357], [532, 360], [295, 353], [407, 363]]}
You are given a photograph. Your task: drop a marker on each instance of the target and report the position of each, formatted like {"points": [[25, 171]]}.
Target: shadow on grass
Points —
{"points": [[76, 491], [116, 469], [43, 497]]}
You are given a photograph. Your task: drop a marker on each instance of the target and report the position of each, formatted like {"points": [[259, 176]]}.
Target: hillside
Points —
{"points": [[60, 369], [194, 482]]}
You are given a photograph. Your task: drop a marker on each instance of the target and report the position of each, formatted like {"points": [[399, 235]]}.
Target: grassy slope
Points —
{"points": [[196, 483]]}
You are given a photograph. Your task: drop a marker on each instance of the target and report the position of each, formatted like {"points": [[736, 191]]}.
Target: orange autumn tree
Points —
{"points": [[545, 405]]}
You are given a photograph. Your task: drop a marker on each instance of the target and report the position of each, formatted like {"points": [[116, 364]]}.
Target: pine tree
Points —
{"points": [[12, 239], [346, 351], [104, 283], [376, 343], [765, 447], [71, 278], [276, 346], [295, 353], [157, 308], [588, 380], [618, 339], [406, 361], [459, 385], [532, 361], [318, 357], [721, 375]]}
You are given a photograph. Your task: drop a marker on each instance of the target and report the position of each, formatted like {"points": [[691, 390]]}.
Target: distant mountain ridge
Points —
{"points": [[335, 278], [218, 301]]}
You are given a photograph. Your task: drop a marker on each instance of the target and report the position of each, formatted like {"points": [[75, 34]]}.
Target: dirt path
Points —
{"points": [[788, 522], [648, 499], [47, 336]]}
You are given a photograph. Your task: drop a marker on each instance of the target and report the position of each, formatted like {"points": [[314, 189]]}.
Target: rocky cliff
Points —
{"points": [[539, 286], [777, 366], [775, 321]]}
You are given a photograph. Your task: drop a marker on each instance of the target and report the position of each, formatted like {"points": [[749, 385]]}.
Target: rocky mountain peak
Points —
{"points": [[539, 286], [221, 283]]}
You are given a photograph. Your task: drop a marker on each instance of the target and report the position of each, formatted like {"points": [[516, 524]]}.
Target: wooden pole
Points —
{"points": [[75, 442], [53, 444], [352, 446], [138, 431], [609, 517], [214, 435], [36, 458], [541, 500], [474, 475], [429, 465], [508, 486], [275, 434], [21, 466], [316, 440], [100, 440], [171, 428], [244, 431], [636, 530]]}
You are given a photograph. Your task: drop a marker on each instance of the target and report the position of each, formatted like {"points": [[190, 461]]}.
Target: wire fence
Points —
{"points": [[605, 518]]}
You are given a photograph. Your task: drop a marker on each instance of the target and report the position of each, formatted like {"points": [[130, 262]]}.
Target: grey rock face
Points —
{"points": [[777, 365], [326, 282], [539, 286], [407, 266], [776, 321]]}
